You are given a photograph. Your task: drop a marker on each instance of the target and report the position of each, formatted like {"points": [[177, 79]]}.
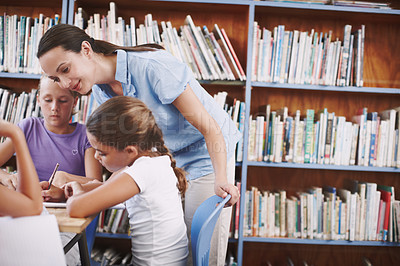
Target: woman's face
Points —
{"points": [[71, 71], [56, 104]]}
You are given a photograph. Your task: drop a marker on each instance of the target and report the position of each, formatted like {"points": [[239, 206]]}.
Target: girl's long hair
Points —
{"points": [[123, 121], [70, 38]]}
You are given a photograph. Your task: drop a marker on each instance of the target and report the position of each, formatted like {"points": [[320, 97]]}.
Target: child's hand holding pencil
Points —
{"points": [[52, 175]]}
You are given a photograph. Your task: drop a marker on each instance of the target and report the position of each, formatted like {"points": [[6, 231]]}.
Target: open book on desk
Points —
{"points": [[64, 205]]}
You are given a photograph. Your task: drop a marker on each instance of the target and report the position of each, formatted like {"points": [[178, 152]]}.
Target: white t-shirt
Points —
{"points": [[158, 229]]}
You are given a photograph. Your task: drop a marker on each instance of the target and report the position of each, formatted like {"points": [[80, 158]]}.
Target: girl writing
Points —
{"points": [[53, 140], [129, 143]]}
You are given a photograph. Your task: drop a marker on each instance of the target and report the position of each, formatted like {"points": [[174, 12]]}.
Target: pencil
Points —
{"points": [[52, 175]]}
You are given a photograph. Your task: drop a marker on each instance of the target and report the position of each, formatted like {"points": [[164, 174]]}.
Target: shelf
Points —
{"points": [[326, 167], [109, 235], [19, 75], [323, 7], [223, 82], [319, 242], [327, 88]]}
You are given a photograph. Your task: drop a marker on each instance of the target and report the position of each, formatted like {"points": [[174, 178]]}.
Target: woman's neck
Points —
{"points": [[106, 68]]}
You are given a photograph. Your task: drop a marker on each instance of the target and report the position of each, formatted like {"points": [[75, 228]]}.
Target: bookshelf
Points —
{"points": [[380, 91]]}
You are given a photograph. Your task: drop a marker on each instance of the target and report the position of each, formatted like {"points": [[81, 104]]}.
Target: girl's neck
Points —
{"points": [[60, 130]]}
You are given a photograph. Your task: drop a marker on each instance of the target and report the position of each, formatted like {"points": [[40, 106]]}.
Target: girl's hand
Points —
{"points": [[9, 180], [54, 194], [72, 188], [60, 178], [8, 129]]}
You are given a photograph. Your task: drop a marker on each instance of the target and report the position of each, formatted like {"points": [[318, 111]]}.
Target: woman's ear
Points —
{"points": [[86, 49]]}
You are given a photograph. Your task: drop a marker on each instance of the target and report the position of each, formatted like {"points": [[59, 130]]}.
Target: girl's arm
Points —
{"points": [[93, 171], [6, 152], [116, 189], [27, 200], [193, 110]]}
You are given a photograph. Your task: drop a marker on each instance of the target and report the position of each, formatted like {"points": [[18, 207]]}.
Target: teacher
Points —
{"points": [[199, 133]]}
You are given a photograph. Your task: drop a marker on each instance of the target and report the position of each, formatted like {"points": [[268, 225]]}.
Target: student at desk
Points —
{"points": [[129, 143], [53, 140], [27, 200]]}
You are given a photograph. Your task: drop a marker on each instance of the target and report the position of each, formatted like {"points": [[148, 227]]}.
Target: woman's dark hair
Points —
{"points": [[123, 121], [70, 38]]}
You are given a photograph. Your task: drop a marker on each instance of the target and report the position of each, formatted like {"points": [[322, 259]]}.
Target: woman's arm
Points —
{"points": [[6, 152], [193, 110], [117, 189], [27, 200]]}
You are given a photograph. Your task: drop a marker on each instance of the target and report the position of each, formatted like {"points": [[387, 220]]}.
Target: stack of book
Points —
{"points": [[15, 107], [370, 139], [364, 212], [302, 57], [209, 54]]}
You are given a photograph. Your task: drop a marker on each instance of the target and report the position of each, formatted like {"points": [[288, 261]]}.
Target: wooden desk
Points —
{"points": [[74, 225]]}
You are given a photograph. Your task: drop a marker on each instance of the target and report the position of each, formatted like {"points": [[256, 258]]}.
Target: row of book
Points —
{"points": [[14, 107], [365, 212], [303, 57], [113, 221], [19, 39], [370, 139], [209, 54], [236, 110], [85, 105]]}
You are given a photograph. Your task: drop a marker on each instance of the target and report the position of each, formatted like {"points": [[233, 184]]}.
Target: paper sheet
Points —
{"points": [[32, 240]]}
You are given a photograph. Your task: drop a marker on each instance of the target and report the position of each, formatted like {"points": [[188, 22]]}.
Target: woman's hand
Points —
{"points": [[54, 194], [223, 189], [72, 189]]}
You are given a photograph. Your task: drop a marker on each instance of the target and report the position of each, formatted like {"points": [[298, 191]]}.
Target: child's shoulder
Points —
{"points": [[152, 160], [30, 122]]}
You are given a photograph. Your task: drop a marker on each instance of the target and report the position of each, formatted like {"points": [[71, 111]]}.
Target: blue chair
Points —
{"points": [[203, 224]]}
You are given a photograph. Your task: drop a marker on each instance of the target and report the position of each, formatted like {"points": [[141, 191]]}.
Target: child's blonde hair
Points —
{"points": [[123, 121]]}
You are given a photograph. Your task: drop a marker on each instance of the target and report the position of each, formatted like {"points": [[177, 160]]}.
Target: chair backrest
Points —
{"points": [[31, 240], [203, 224]]}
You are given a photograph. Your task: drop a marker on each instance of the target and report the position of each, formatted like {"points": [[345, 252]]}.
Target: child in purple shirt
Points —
{"points": [[53, 140]]}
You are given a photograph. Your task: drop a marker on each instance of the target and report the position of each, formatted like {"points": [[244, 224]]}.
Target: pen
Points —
{"points": [[52, 175]]}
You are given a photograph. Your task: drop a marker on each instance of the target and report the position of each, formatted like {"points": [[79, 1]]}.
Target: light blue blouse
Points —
{"points": [[157, 78]]}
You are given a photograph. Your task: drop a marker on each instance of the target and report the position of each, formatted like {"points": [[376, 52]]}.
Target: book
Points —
{"points": [[224, 46], [243, 75], [309, 135]]}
